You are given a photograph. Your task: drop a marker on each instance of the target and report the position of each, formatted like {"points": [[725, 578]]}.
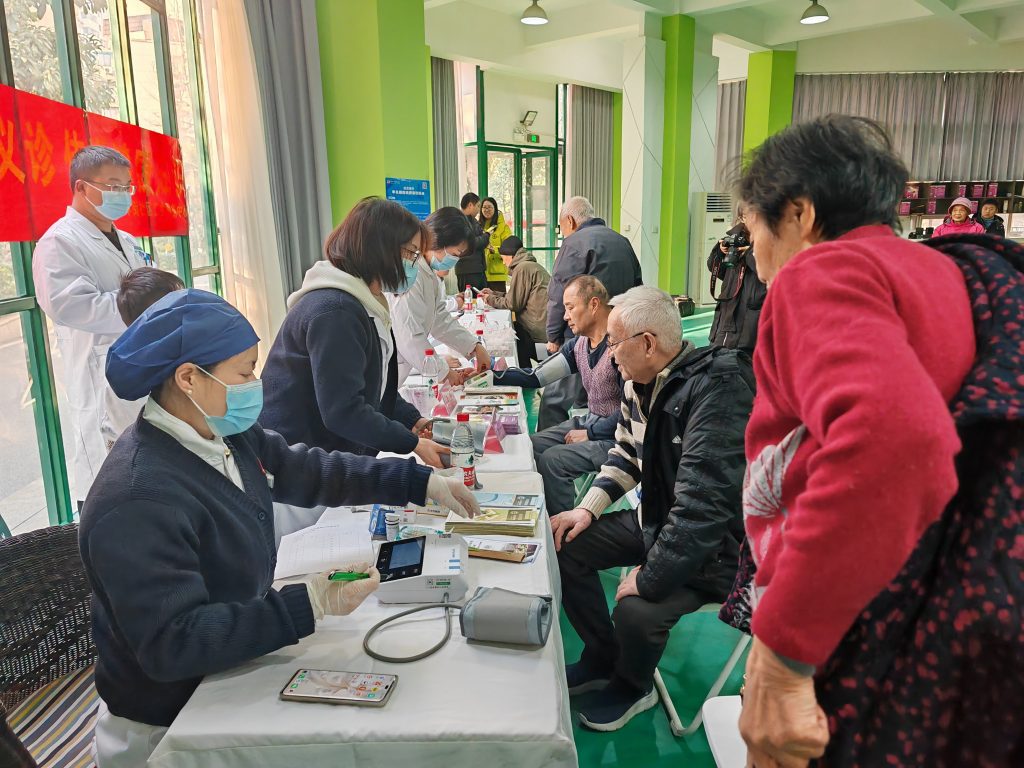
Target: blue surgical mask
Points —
{"points": [[115, 204], [443, 265], [411, 273], [244, 406]]}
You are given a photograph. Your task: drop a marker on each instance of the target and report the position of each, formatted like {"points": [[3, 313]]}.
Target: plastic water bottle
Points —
{"points": [[433, 368], [467, 298], [464, 450], [480, 337]]}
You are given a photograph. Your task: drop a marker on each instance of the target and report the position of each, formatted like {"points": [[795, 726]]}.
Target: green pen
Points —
{"points": [[347, 576]]}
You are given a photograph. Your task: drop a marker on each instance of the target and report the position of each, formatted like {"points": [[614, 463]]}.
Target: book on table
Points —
{"points": [[514, 500], [495, 521]]}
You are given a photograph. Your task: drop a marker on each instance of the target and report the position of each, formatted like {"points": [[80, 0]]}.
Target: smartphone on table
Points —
{"points": [[363, 689]]}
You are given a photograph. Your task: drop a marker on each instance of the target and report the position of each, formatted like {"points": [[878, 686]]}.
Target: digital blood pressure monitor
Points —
{"points": [[422, 569]]}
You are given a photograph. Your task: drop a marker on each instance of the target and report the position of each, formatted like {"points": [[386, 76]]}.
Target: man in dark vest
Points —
{"points": [[578, 445]]}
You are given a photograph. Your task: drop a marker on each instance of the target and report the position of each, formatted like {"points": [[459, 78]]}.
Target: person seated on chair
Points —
{"points": [[526, 296], [579, 445], [684, 412]]}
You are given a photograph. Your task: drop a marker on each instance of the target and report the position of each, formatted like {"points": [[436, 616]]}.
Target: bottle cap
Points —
{"points": [[462, 417], [428, 352], [479, 333]]}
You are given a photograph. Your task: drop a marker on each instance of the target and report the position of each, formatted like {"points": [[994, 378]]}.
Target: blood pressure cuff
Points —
{"points": [[495, 615]]}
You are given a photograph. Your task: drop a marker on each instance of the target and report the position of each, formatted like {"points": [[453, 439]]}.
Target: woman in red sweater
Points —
{"points": [[864, 340]]}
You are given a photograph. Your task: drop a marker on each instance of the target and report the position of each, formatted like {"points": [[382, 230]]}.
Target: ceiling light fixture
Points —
{"points": [[534, 15], [816, 14]]}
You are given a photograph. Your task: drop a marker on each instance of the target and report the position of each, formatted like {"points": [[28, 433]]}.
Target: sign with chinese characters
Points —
{"points": [[38, 138], [413, 194]]}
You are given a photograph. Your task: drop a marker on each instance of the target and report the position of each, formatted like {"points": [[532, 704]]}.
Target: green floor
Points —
{"points": [[698, 648]]}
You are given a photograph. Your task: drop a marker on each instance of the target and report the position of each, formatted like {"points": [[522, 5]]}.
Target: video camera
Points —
{"points": [[730, 247]]}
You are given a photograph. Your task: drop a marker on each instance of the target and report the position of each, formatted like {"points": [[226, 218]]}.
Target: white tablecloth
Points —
{"points": [[470, 704]]}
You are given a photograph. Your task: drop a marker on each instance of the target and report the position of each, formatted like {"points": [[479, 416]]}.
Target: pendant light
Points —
{"points": [[534, 15], [815, 14]]}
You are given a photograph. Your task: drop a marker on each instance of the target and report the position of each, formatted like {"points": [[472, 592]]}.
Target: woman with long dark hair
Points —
{"points": [[493, 223]]}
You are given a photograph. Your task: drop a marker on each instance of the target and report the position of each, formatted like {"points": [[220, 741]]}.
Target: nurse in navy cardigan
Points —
{"points": [[177, 533]]}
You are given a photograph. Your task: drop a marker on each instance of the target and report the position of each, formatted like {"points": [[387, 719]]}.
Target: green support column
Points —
{"points": [[616, 161], [679, 34], [430, 130], [769, 108], [376, 99]]}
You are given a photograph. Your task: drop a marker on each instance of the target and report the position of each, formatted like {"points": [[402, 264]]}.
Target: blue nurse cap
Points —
{"points": [[189, 326]]}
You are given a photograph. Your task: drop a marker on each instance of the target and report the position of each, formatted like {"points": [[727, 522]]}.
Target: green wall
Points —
{"points": [[771, 76], [616, 161], [679, 33], [376, 98]]}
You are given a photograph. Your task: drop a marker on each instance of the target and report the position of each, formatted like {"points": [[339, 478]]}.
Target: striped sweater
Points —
{"points": [[621, 472]]}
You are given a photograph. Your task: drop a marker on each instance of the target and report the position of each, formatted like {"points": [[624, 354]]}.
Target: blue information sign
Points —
{"points": [[414, 194]]}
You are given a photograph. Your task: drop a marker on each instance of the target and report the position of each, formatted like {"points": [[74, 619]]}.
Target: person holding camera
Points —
{"points": [[738, 293]]}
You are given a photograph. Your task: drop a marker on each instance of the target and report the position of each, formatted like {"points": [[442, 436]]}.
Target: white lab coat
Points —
{"points": [[420, 313], [77, 274]]}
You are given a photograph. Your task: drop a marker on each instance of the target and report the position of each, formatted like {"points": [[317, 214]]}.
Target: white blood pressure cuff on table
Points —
{"points": [[494, 615]]}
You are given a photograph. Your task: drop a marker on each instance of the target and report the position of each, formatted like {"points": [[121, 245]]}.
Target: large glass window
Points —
{"points": [[184, 82], [22, 494], [147, 62], [32, 30], [95, 22], [8, 288]]}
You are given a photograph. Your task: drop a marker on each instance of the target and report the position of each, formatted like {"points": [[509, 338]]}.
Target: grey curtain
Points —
{"points": [[284, 41], [984, 126], [446, 145], [909, 106], [732, 107], [590, 147]]}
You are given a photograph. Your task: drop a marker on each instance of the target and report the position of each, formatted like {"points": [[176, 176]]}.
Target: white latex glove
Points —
{"points": [[340, 598], [450, 493]]}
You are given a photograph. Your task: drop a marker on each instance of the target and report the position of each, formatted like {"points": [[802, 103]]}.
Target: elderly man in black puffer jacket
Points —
{"points": [[680, 433]]}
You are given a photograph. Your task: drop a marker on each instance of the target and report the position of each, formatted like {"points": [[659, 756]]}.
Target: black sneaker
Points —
{"points": [[615, 706], [583, 678]]}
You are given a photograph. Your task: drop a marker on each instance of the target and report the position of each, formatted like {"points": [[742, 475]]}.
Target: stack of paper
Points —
{"points": [[494, 521], [510, 551]]}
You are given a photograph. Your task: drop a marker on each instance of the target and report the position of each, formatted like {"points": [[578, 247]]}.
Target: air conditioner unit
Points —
{"points": [[710, 217]]}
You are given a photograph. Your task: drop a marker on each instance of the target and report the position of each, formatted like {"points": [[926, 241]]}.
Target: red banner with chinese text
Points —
{"points": [[38, 138], [14, 215]]}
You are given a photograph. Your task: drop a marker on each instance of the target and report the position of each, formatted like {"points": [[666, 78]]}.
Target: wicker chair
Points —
{"points": [[45, 633]]}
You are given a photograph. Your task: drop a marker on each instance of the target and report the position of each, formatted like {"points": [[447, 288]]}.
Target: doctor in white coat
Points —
{"points": [[78, 265], [421, 313]]}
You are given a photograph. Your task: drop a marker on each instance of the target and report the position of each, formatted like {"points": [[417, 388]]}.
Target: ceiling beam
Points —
{"points": [[947, 11], [602, 21], [1011, 29], [704, 7], [660, 7], [972, 6]]}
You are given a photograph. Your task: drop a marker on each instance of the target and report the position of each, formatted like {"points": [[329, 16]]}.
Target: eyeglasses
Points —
{"points": [[614, 344], [414, 254], [130, 188]]}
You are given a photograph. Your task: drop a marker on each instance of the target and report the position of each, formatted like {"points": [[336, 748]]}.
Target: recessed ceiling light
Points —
{"points": [[815, 14], [534, 15]]}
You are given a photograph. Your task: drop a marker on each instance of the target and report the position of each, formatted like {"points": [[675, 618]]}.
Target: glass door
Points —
{"points": [[538, 224], [503, 183]]}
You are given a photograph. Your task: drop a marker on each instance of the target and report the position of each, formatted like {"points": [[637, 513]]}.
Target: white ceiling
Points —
{"points": [[585, 39], [773, 23]]}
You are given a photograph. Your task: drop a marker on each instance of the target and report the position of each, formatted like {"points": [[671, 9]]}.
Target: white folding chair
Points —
{"points": [[675, 723]]}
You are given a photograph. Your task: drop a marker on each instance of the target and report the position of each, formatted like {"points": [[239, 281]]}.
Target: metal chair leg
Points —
{"points": [[737, 653]]}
